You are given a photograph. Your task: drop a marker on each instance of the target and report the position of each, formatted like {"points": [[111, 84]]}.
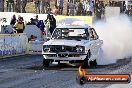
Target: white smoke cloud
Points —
{"points": [[116, 33]]}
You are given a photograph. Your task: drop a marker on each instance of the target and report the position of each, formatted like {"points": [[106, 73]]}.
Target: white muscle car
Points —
{"points": [[73, 44]]}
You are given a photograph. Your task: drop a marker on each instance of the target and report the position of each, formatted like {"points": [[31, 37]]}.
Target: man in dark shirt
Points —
{"points": [[52, 24]]}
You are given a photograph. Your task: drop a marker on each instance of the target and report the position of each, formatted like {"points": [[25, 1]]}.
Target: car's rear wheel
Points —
{"points": [[46, 62]]}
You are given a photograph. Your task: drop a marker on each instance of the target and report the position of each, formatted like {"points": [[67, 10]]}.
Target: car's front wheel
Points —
{"points": [[88, 63], [93, 63], [46, 62], [85, 64]]}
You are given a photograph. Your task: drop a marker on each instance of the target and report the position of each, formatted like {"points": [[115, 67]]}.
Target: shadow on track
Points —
{"points": [[62, 67], [71, 67]]}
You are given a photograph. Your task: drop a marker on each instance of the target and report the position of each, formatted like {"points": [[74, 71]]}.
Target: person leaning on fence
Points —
{"points": [[19, 26]]}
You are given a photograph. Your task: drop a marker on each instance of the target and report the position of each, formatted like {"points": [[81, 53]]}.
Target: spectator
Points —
{"points": [[31, 22], [88, 7], [79, 8], [24, 3], [70, 8], [1, 5], [36, 20], [10, 5], [48, 9], [32, 38], [45, 5], [18, 6], [13, 20], [19, 25], [37, 6], [55, 10], [59, 4], [102, 8], [98, 11]]}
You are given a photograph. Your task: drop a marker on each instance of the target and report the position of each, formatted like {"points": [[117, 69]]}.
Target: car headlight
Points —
{"points": [[80, 49], [46, 49]]}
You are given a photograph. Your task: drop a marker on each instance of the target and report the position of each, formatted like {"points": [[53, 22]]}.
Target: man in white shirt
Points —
{"points": [[88, 7]]}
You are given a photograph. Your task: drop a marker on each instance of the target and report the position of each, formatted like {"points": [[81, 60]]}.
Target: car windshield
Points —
{"points": [[72, 34]]}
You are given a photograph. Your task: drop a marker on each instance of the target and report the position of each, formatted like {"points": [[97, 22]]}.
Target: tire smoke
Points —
{"points": [[116, 33]]}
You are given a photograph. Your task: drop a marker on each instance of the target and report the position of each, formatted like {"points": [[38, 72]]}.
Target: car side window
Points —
{"points": [[93, 34], [56, 33]]}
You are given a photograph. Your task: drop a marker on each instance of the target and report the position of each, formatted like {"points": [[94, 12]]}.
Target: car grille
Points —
{"points": [[63, 55], [59, 48]]}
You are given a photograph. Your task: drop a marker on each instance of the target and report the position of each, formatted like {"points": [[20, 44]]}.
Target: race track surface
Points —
{"points": [[28, 72]]}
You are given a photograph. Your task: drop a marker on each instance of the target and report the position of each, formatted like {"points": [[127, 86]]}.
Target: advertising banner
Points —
{"points": [[13, 44], [70, 19]]}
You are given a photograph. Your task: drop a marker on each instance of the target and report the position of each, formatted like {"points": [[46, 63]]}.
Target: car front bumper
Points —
{"points": [[64, 56]]}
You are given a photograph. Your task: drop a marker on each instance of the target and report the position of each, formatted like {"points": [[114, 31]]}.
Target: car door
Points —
{"points": [[95, 43]]}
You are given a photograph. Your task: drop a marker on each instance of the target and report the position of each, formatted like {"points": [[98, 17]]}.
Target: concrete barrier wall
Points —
{"points": [[13, 44]]}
